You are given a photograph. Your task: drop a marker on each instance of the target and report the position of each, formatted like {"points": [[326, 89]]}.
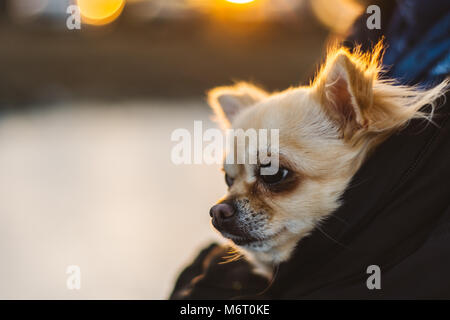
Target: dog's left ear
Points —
{"points": [[227, 102], [345, 90]]}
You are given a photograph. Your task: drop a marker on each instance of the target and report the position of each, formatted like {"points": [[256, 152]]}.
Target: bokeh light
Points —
{"points": [[100, 12], [240, 1]]}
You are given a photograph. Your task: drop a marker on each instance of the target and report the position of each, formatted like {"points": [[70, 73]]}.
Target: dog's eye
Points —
{"points": [[275, 178], [228, 180]]}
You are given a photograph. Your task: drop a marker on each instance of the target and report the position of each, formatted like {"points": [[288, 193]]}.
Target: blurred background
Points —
{"points": [[85, 122]]}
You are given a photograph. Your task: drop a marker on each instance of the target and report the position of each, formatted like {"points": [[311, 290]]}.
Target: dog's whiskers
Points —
{"points": [[330, 237], [234, 255]]}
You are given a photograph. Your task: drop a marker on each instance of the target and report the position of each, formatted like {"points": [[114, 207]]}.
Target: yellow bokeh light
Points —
{"points": [[227, 10], [240, 1], [100, 12]]}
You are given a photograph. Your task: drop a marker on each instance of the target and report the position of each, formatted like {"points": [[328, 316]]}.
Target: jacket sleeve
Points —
{"points": [[212, 275]]}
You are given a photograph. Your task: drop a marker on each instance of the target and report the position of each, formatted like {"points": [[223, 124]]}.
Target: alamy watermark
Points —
{"points": [[234, 146], [73, 21], [374, 280], [73, 281], [374, 20]]}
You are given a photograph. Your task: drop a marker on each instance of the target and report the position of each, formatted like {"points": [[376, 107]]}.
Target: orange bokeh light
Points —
{"points": [[100, 12], [240, 1]]}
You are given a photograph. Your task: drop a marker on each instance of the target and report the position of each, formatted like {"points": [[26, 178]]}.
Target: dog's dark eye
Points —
{"points": [[228, 180], [275, 178]]}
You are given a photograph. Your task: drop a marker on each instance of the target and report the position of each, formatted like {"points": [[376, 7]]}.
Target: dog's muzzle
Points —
{"points": [[225, 219]]}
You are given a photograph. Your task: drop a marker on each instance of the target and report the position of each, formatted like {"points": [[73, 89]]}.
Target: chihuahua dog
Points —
{"points": [[326, 131]]}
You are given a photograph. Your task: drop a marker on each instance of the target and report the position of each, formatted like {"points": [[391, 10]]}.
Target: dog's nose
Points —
{"points": [[221, 212]]}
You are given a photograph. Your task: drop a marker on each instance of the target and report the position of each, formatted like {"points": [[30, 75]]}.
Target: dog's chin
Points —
{"points": [[267, 250], [252, 243], [244, 241]]}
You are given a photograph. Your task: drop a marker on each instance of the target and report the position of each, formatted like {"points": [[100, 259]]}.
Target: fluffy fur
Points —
{"points": [[327, 130]]}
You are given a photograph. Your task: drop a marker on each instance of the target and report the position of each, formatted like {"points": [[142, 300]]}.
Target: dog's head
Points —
{"points": [[325, 132]]}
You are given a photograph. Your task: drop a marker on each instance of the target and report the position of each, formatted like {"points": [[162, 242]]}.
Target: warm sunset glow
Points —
{"points": [[232, 10], [99, 12], [240, 1]]}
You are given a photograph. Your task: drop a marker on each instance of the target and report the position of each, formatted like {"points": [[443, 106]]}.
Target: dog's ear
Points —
{"points": [[345, 89], [227, 102], [357, 101]]}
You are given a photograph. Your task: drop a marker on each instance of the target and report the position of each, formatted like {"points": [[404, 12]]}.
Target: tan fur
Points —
{"points": [[327, 130]]}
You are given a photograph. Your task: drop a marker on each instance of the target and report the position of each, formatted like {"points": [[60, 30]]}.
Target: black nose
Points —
{"points": [[220, 213]]}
